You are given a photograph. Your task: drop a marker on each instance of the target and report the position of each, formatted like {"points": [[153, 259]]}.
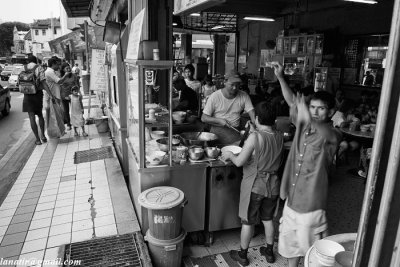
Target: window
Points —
{"points": [[43, 32], [36, 32], [54, 30]]}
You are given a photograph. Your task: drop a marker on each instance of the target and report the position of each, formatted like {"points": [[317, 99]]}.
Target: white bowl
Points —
{"points": [[157, 134], [326, 251], [154, 158], [234, 149]]}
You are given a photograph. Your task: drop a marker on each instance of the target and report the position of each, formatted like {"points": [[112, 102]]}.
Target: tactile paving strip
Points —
{"points": [[109, 251], [93, 154]]}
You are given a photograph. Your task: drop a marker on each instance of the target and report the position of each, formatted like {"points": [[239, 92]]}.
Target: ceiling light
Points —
{"points": [[258, 18], [217, 27], [363, 1], [174, 24], [195, 14]]}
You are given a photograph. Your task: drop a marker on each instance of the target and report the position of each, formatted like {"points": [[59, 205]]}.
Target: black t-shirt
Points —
{"points": [[188, 100]]}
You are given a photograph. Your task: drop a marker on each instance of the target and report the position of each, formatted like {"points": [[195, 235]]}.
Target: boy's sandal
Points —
{"points": [[76, 134], [37, 142], [44, 139], [85, 134]]}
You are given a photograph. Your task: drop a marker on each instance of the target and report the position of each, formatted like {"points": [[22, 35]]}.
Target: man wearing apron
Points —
{"points": [[260, 157], [223, 110]]}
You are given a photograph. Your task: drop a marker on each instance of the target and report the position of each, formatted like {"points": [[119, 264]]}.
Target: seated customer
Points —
{"points": [[190, 80], [187, 97]]}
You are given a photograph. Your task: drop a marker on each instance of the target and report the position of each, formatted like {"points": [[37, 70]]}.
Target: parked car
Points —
{"points": [[5, 100], [6, 73], [13, 81]]}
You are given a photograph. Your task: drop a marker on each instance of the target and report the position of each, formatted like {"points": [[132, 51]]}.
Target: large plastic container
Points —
{"points": [[102, 124], [166, 253], [164, 206], [86, 83]]}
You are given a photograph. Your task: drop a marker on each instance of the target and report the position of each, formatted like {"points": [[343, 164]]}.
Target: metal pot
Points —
{"points": [[196, 153], [163, 143], [203, 139]]}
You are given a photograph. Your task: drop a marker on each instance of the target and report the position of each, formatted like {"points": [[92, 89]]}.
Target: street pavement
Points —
{"points": [[55, 201]]}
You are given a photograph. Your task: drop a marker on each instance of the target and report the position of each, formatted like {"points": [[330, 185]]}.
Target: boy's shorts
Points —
{"points": [[299, 231], [260, 207]]}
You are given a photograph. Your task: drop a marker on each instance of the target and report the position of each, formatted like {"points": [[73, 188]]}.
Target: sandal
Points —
{"points": [[85, 134], [76, 134], [44, 139], [37, 142]]}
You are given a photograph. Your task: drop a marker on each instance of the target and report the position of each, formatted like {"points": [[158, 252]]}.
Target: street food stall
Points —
{"points": [[167, 148]]}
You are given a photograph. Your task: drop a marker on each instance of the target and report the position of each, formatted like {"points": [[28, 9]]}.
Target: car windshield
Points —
{"points": [[17, 71]]}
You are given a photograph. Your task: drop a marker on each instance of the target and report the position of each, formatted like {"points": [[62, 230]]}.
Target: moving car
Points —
{"points": [[13, 81], [5, 100], [6, 73]]}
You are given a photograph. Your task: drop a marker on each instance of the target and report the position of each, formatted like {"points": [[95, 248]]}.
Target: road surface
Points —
{"points": [[13, 126]]}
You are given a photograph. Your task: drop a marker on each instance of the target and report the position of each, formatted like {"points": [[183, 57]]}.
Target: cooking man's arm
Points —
{"points": [[214, 121]]}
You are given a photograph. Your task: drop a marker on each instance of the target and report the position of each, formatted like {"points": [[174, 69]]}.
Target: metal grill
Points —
{"points": [[120, 250], [93, 154]]}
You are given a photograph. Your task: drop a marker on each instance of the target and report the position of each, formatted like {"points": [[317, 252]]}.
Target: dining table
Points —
{"points": [[347, 240], [365, 138]]}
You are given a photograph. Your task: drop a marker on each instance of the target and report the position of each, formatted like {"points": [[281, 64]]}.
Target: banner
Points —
{"points": [[98, 77], [132, 51]]}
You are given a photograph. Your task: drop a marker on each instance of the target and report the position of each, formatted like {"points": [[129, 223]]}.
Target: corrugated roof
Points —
{"points": [[45, 23]]}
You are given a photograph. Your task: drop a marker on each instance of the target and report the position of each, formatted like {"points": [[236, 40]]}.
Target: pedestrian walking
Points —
{"points": [[77, 111], [33, 103], [305, 179], [260, 157]]}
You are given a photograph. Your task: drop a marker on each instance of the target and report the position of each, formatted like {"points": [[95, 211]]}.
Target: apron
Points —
{"points": [[250, 173], [226, 136]]}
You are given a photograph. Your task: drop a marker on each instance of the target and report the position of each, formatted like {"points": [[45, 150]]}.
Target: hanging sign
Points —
{"points": [[134, 36], [98, 78], [149, 77], [183, 7]]}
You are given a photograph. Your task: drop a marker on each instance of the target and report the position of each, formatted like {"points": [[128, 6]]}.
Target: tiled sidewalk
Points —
{"points": [[55, 202]]}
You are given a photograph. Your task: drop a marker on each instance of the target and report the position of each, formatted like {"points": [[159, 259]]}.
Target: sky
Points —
{"points": [[28, 10]]}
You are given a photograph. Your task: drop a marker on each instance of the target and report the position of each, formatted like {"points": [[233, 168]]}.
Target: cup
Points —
{"points": [[152, 114]]}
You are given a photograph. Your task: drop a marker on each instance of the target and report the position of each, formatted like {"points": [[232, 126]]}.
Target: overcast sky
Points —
{"points": [[28, 10]]}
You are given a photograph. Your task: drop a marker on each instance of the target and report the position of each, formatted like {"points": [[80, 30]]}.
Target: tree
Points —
{"points": [[6, 35]]}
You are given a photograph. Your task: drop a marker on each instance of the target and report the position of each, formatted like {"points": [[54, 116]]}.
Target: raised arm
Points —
{"points": [[286, 91]]}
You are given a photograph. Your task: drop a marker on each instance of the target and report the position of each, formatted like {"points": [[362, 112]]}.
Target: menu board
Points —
{"points": [[132, 51], [98, 75]]}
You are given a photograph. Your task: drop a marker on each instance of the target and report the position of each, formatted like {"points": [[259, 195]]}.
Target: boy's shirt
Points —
{"points": [[305, 178]]}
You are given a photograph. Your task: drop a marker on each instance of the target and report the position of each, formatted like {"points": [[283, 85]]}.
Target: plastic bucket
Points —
{"points": [[164, 206], [86, 83], [166, 253], [102, 125]]}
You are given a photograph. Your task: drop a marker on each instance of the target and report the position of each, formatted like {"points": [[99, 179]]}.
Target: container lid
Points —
{"points": [[161, 197]]}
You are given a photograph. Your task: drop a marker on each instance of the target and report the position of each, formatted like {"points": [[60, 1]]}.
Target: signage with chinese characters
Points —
{"points": [[132, 51], [149, 77], [98, 78], [183, 7]]}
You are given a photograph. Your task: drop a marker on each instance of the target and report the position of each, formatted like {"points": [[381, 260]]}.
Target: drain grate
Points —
{"points": [[93, 154], [122, 250]]}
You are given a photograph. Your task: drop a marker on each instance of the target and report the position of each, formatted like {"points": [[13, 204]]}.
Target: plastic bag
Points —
{"points": [[55, 127]]}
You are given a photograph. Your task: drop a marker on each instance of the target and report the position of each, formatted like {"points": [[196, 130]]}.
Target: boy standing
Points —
{"points": [[305, 178]]}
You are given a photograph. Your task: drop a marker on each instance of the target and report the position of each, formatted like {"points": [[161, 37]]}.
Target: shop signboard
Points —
{"points": [[183, 7], [134, 36], [98, 78]]}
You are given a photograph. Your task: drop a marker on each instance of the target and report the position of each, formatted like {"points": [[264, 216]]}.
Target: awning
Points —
{"points": [[76, 8]]}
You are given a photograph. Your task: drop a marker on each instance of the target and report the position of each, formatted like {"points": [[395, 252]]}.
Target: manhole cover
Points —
{"points": [[120, 250], [93, 154]]}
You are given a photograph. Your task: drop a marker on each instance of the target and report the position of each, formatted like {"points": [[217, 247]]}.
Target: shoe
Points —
{"points": [[44, 139], [85, 134], [76, 134], [37, 142], [69, 128], [268, 254], [234, 254]]}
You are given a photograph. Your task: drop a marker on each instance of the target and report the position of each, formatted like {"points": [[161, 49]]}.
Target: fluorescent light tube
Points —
{"points": [[217, 27], [363, 1], [258, 18], [195, 14]]}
